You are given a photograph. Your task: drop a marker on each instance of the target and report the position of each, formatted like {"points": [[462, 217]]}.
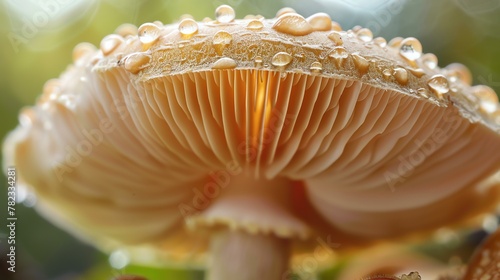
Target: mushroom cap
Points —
{"points": [[136, 138]]}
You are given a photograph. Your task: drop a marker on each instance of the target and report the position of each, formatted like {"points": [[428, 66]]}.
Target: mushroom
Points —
{"points": [[249, 145]]}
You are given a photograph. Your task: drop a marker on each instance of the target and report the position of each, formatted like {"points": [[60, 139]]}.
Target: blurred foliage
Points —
{"points": [[34, 48]]}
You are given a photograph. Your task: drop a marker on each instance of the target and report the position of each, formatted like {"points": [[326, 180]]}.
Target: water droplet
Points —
{"points": [[224, 14], [439, 85], [410, 49], [158, 23], [336, 26], [292, 24], [417, 72], [316, 67], [381, 42], [258, 61], [430, 60], [221, 40], [356, 28], [423, 92], [285, 10], [395, 42], [188, 27], [387, 73], [320, 22], [281, 59], [135, 62], [148, 33], [488, 99], [110, 43], [459, 72], [361, 63], [126, 29], [119, 259], [206, 19], [339, 54], [365, 34], [336, 38], [81, 50], [401, 75], [224, 63], [255, 24]]}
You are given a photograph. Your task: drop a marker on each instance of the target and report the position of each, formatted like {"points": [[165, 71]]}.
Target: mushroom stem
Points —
{"points": [[245, 256]]}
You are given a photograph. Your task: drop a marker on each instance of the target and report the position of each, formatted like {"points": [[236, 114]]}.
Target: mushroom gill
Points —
{"points": [[252, 139]]}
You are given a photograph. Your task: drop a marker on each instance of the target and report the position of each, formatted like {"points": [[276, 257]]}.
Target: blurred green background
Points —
{"points": [[36, 42]]}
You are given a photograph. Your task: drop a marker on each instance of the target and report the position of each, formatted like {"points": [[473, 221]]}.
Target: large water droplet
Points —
{"points": [[292, 24], [255, 24], [365, 34], [488, 99], [224, 63], [361, 63], [490, 223], [188, 27], [148, 33], [320, 22], [430, 60], [401, 75], [339, 54], [459, 72], [135, 62], [336, 38], [316, 67], [126, 29], [81, 50], [110, 43], [224, 14], [439, 85], [381, 42], [411, 49], [281, 59], [221, 40]]}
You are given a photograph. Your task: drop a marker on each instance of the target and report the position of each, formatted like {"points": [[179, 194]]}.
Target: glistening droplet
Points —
{"points": [[439, 85], [320, 22], [110, 43], [135, 62], [410, 49], [224, 14], [488, 99], [339, 54], [255, 24], [430, 60], [224, 63], [365, 34], [148, 33], [188, 27], [292, 24], [221, 39], [281, 59]]}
